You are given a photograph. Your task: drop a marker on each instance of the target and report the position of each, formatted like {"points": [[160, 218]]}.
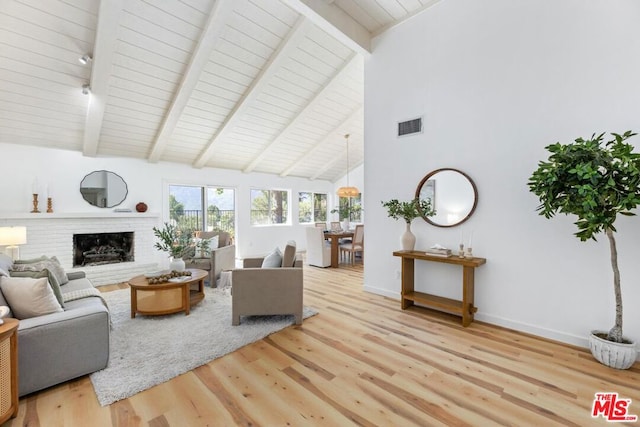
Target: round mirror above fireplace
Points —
{"points": [[103, 189]]}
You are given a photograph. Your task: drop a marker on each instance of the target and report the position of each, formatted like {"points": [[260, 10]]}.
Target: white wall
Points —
{"points": [[148, 182], [497, 81]]}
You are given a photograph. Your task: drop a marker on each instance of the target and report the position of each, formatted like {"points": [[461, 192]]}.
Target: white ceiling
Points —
{"points": [[254, 85]]}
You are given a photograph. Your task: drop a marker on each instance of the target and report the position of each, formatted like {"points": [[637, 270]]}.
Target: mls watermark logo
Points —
{"points": [[612, 408]]}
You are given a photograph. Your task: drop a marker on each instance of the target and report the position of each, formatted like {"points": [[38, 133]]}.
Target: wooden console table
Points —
{"points": [[409, 296]]}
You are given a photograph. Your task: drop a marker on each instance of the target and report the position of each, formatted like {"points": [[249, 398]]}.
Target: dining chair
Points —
{"points": [[357, 245], [335, 226], [322, 225]]}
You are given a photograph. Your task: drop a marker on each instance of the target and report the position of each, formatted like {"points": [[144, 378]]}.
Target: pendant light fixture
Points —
{"points": [[348, 191]]}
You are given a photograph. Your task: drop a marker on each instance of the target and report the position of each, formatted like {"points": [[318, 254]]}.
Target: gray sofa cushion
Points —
{"points": [[61, 346]]}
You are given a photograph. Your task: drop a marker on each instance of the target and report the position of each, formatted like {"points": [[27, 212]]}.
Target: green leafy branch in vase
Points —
{"points": [[176, 243], [409, 210]]}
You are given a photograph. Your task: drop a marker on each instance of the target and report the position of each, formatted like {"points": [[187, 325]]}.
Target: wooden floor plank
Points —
{"points": [[361, 361]]}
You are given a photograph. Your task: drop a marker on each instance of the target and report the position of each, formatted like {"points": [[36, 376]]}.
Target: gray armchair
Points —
{"points": [[269, 290], [221, 258]]}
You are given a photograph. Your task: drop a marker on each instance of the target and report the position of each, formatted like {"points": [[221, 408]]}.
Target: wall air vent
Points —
{"points": [[410, 127]]}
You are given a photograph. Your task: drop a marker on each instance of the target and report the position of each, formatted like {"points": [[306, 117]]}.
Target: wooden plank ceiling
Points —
{"points": [[268, 86]]}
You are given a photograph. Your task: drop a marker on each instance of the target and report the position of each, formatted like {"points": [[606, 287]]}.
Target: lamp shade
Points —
{"points": [[348, 192], [11, 236]]}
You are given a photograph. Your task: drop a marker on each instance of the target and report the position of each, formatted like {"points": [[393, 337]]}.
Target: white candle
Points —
{"points": [[48, 191], [461, 236], [35, 186], [470, 239]]}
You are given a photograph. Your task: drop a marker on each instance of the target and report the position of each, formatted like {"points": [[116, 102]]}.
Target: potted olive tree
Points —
{"points": [[408, 211], [595, 181], [177, 244]]}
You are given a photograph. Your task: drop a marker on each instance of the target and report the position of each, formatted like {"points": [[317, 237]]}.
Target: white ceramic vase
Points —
{"points": [[345, 224], [408, 239], [177, 264], [612, 354]]}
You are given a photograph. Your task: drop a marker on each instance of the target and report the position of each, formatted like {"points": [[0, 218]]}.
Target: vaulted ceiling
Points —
{"points": [[253, 85]]}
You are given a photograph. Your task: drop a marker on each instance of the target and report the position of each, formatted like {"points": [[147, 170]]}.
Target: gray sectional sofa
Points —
{"points": [[61, 346]]}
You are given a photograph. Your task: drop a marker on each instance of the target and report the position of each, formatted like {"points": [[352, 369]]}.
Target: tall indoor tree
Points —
{"points": [[595, 181]]}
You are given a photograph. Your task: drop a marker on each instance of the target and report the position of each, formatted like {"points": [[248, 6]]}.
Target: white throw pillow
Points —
{"points": [[274, 259], [29, 297]]}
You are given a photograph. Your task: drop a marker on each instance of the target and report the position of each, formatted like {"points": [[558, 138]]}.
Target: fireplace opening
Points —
{"points": [[102, 248]]}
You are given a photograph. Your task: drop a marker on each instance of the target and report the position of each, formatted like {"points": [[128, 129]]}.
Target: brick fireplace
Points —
{"points": [[53, 234]]}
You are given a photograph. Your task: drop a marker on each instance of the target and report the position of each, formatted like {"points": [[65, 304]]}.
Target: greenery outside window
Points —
{"points": [[355, 205], [187, 212], [269, 207], [312, 207]]}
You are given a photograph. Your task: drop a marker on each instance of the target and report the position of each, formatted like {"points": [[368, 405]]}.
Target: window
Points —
{"points": [[186, 208], [269, 207], [312, 207], [351, 207]]}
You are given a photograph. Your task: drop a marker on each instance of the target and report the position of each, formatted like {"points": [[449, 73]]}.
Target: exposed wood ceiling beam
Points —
{"points": [[338, 129], [318, 97], [335, 22], [393, 24], [210, 35], [285, 49], [104, 48]]}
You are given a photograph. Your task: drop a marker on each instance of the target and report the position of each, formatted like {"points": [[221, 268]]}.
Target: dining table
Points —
{"points": [[334, 237]]}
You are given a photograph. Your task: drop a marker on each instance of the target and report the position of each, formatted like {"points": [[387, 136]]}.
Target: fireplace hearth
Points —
{"points": [[102, 248]]}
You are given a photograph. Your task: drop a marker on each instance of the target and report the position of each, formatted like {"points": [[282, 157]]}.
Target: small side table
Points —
{"points": [[8, 369]]}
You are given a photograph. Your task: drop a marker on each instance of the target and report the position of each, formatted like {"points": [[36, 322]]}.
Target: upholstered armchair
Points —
{"points": [[222, 257], [257, 290]]}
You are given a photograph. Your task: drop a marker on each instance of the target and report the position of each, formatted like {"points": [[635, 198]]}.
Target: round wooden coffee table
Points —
{"points": [[169, 297]]}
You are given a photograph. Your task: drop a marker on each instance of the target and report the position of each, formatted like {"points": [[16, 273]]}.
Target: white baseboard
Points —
{"points": [[383, 292], [578, 340]]}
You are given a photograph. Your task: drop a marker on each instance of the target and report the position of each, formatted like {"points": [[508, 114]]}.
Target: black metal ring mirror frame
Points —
{"points": [[473, 186]]}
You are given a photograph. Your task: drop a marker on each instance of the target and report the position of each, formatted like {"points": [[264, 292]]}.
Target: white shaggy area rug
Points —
{"points": [[149, 350]]}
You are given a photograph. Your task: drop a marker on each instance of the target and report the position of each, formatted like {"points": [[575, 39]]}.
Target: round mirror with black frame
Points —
{"points": [[103, 189], [453, 195]]}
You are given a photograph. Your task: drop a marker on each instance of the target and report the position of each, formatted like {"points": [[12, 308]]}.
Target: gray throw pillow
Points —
{"points": [[5, 262], [274, 259], [53, 265]]}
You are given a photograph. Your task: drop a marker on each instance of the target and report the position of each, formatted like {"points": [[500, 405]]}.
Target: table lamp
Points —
{"points": [[11, 237]]}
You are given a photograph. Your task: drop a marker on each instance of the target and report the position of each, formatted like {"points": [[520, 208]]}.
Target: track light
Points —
{"points": [[86, 89], [85, 59]]}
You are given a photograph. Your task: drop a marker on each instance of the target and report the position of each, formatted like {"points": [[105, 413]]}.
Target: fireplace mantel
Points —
{"points": [[66, 215]]}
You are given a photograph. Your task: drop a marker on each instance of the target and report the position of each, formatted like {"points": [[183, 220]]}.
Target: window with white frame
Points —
{"points": [[312, 207], [269, 207]]}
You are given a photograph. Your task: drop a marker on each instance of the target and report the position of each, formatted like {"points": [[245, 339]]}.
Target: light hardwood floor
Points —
{"points": [[361, 361]]}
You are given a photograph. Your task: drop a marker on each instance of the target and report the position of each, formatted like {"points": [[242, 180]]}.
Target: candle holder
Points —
{"points": [[461, 251], [469, 253], [35, 203], [49, 205]]}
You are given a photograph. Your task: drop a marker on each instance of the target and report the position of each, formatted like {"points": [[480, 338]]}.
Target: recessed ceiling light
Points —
{"points": [[85, 59]]}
